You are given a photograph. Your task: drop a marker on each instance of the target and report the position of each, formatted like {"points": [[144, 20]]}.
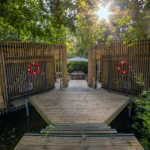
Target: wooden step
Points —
{"points": [[83, 131], [32, 141], [78, 129], [81, 124], [98, 126]]}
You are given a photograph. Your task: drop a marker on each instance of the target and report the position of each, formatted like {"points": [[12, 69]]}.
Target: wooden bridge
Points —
{"points": [[78, 118]]}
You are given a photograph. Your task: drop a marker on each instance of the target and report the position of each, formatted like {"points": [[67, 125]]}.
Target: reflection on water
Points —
{"points": [[14, 125]]}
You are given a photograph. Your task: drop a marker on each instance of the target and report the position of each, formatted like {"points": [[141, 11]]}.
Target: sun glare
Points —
{"points": [[103, 12]]}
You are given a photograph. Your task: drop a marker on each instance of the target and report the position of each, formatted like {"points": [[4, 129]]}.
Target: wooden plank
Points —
{"points": [[113, 116], [41, 113], [83, 131], [76, 148], [79, 129], [95, 142], [92, 127], [81, 125]]}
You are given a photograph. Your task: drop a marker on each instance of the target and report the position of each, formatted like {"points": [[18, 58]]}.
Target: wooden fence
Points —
{"points": [[107, 58], [15, 79]]}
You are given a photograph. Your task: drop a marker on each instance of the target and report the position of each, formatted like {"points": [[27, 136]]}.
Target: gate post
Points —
{"points": [[3, 82], [94, 67], [109, 72], [96, 75], [90, 65], [64, 66]]}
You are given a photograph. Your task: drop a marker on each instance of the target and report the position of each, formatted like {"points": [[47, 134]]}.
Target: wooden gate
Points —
{"points": [[107, 57], [16, 56]]}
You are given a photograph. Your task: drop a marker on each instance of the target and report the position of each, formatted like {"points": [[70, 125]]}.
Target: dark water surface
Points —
{"points": [[122, 123], [14, 125]]}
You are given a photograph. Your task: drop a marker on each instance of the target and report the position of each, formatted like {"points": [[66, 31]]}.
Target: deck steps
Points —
{"points": [[79, 129], [78, 120], [81, 126], [85, 131], [32, 141]]}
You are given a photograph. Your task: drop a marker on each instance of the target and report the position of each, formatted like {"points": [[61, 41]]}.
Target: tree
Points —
{"points": [[135, 20], [53, 20]]}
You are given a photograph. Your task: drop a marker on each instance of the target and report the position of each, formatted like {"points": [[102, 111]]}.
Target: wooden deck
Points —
{"points": [[61, 142], [79, 104], [78, 119]]}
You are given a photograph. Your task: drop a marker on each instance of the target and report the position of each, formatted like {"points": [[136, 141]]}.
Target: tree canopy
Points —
{"points": [[135, 23], [73, 22]]}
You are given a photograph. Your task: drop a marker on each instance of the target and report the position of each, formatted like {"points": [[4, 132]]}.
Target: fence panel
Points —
{"points": [[138, 57], [15, 58]]}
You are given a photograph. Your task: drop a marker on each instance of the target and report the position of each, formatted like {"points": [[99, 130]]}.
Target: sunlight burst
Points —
{"points": [[103, 12]]}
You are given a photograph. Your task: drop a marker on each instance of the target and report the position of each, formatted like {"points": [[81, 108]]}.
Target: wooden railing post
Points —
{"points": [[64, 66], [3, 82], [90, 65], [2, 104]]}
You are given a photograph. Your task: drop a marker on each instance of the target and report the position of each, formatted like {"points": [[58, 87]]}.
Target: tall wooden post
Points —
{"points": [[90, 67], [93, 67], [99, 70], [2, 104], [3, 101], [64, 66], [50, 67]]}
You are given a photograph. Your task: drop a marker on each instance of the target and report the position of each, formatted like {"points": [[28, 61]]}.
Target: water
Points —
{"points": [[14, 125], [122, 123]]}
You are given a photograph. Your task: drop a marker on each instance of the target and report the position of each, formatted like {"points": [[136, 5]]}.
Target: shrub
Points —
{"points": [[141, 119], [77, 66]]}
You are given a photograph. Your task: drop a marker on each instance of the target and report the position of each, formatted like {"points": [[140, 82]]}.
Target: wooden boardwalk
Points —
{"points": [[79, 104], [78, 119]]}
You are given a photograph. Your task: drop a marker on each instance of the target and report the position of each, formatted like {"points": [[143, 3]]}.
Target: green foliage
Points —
{"points": [[39, 20], [73, 23], [51, 127], [130, 143], [83, 136], [146, 144], [77, 66], [52, 21], [141, 119], [47, 133], [135, 20], [139, 79]]}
